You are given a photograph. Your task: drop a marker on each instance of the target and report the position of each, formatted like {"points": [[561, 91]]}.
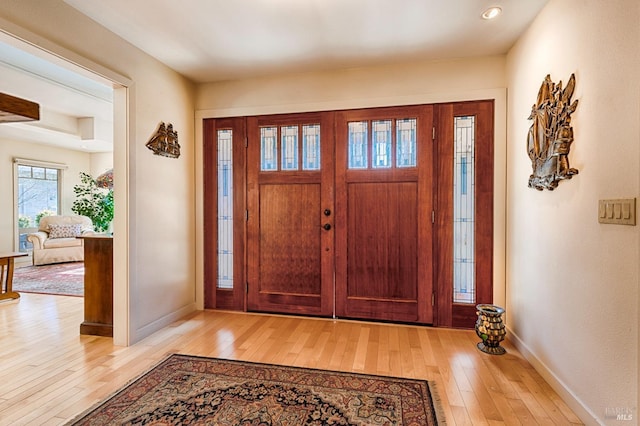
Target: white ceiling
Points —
{"points": [[214, 40], [76, 112]]}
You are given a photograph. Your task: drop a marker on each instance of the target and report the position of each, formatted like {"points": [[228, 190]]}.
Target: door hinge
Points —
{"points": [[247, 287], [433, 133], [246, 142], [433, 299], [433, 216], [246, 215]]}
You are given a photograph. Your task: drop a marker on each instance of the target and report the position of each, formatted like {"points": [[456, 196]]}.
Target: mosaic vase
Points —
{"points": [[490, 328]]}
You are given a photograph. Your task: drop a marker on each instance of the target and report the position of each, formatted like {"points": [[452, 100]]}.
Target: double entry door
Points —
{"points": [[332, 214]]}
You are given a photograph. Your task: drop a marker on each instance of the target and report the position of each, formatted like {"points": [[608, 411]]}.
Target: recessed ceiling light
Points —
{"points": [[491, 13]]}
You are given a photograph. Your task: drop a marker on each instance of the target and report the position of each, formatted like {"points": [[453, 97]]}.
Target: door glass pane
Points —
{"points": [[381, 135], [38, 196], [406, 142], [289, 147], [358, 145], [311, 147], [464, 211], [225, 209], [268, 148]]}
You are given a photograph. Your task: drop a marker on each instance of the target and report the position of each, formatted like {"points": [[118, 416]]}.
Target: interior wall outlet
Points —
{"points": [[619, 212]]}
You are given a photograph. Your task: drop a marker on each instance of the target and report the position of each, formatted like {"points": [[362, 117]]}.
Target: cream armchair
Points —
{"points": [[56, 241]]}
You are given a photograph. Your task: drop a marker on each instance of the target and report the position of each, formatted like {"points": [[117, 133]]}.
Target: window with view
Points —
{"points": [[38, 195]]}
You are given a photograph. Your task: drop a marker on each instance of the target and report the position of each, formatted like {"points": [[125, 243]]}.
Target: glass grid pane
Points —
{"points": [[406, 142], [381, 135], [268, 148], [464, 211], [311, 147], [289, 147], [225, 209], [358, 145]]}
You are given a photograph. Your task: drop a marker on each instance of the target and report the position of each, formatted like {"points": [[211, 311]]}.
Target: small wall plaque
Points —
{"points": [[165, 142]]}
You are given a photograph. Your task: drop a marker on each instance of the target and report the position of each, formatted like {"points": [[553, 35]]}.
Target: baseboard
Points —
{"points": [[578, 407], [160, 323]]}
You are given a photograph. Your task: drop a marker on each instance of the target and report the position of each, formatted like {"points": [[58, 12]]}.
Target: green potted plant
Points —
{"points": [[94, 202]]}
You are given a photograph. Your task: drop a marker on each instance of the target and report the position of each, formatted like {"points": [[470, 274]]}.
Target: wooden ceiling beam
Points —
{"points": [[14, 109]]}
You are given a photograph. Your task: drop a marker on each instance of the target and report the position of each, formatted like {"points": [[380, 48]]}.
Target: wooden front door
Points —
{"points": [[290, 257], [384, 184], [382, 213]]}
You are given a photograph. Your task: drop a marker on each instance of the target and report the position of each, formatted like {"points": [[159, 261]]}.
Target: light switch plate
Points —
{"points": [[620, 211]]}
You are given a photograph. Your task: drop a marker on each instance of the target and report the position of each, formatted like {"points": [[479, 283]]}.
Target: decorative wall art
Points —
{"points": [[550, 136], [165, 142]]}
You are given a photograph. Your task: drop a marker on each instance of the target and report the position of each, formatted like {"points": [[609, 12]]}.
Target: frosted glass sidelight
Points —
{"points": [[406, 142], [358, 143], [311, 147], [381, 136], [289, 147], [225, 209], [268, 148], [464, 288]]}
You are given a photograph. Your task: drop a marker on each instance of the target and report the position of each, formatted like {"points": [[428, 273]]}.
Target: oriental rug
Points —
{"points": [[184, 389], [59, 278]]}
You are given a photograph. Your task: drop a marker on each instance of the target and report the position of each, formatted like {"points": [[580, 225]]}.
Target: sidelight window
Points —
{"points": [[464, 210], [225, 209]]}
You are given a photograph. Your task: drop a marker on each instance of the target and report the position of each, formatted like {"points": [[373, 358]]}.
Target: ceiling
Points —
{"points": [[215, 40]]}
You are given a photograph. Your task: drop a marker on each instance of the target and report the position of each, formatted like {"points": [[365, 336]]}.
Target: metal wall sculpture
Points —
{"points": [[165, 142], [550, 136]]}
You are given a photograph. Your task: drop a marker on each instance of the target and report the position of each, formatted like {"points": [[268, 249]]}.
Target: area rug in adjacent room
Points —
{"points": [[185, 389], [59, 278]]}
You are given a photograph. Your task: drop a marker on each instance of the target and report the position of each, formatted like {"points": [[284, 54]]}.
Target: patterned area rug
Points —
{"points": [[60, 278], [185, 389]]}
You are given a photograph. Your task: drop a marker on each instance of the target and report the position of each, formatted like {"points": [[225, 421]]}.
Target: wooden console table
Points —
{"points": [[98, 285], [6, 278]]}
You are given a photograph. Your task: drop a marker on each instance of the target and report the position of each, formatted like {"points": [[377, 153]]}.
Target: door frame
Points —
{"points": [[497, 95]]}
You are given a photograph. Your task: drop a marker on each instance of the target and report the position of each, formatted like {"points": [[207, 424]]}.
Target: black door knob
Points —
{"points": [[327, 212], [327, 226]]}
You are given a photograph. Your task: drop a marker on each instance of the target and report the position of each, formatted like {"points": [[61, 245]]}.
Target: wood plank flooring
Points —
{"points": [[49, 373]]}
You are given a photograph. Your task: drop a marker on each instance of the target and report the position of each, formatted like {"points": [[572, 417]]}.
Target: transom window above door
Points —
{"points": [[382, 144], [280, 148]]}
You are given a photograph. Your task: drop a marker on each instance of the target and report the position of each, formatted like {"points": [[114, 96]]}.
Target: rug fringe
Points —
{"points": [[437, 403]]}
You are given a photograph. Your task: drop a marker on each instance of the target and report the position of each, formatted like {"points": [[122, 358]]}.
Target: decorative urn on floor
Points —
{"points": [[490, 328]]}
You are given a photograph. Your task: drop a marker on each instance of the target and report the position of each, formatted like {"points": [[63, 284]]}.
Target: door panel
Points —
{"points": [[290, 256], [382, 244], [290, 253], [383, 225]]}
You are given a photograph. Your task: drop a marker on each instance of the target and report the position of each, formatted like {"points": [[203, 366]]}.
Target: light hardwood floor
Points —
{"points": [[49, 373]]}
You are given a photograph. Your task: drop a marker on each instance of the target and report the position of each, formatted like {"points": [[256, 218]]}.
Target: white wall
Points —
{"points": [[100, 163], [154, 222], [402, 84], [75, 161], [572, 283]]}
